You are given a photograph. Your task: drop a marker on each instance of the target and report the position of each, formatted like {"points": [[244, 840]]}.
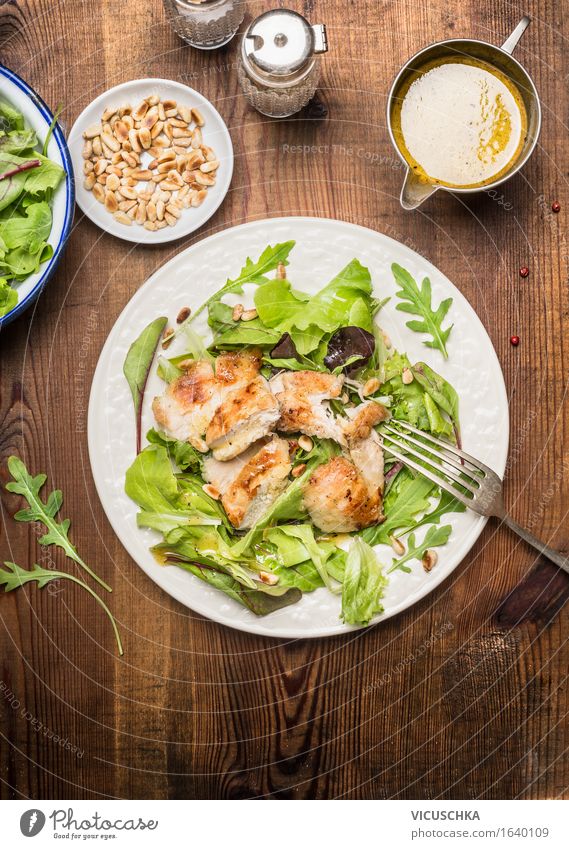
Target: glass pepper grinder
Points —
{"points": [[279, 67], [205, 24]]}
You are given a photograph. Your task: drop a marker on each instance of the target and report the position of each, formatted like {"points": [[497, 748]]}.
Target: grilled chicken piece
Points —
{"points": [[362, 419], [189, 403], [338, 498], [345, 494], [364, 444], [245, 416], [251, 483], [301, 396]]}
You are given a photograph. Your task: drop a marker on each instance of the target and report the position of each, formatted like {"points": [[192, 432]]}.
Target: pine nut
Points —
{"points": [[122, 218]]}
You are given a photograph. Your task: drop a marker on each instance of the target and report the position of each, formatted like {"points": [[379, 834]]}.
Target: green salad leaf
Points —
{"points": [[364, 584], [28, 180], [407, 499], [418, 302], [30, 487], [434, 537], [137, 365], [252, 272], [182, 454], [13, 576], [8, 297]]}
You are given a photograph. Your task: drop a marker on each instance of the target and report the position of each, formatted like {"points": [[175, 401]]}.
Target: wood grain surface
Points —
{"points": [[465, 695]]}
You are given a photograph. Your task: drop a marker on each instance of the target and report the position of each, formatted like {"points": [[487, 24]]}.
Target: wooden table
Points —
{"points": [[464, 696]]}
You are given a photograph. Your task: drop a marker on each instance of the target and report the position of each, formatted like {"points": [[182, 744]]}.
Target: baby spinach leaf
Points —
{"points": [[418, 302], [137, 365]]}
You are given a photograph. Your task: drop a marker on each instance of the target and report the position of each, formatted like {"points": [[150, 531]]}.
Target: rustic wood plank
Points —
{"points": [[463, 696]]}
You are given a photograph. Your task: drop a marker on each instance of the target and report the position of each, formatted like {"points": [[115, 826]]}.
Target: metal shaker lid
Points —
{"points": [[281, 42]]}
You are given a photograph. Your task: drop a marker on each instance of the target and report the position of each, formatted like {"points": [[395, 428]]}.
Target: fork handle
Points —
{"points": [[561, 560]]}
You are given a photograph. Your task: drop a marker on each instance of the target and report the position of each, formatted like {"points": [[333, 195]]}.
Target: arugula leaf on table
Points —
{"points": [[137, 365], [418, 302], [364, 584], [45, 512], [435, 536], [13, 576], [252, 272]]}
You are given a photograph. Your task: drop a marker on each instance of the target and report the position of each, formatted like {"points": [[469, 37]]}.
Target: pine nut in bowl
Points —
{"points": [[153, 160]]}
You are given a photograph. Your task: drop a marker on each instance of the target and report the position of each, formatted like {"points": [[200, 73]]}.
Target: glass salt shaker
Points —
{"points": [[279, 67], [205, 24]]}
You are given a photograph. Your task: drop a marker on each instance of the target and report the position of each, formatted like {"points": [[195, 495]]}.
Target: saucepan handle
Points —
{"points": [[511, 42]]}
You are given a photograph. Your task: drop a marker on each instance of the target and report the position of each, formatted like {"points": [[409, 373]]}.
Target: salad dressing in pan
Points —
{"points": [[460, 122]]}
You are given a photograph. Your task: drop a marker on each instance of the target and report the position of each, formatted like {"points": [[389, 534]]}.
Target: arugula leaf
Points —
{"points": [[418, 302], [446, 504], [408, 497], [364, 584], [14, 576], [45, 512], [252, 272], [434, 537], [8, 297], [137, 365]]}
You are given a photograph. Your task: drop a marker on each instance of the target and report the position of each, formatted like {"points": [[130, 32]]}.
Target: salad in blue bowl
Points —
{"points": [[36, 195]]}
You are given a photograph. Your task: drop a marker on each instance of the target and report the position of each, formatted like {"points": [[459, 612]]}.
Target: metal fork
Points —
{"points": [[465, 478]]}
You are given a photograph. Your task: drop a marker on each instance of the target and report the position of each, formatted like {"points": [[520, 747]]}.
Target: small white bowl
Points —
{"points": [[215, 134]]}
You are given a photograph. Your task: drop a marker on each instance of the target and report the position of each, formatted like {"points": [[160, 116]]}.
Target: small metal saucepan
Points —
{"points": [[415, 190]]}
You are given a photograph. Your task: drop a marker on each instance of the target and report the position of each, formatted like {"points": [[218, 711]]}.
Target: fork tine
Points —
{"points": [[444, 457], [444, 484], [454, 477], [452, 448]]}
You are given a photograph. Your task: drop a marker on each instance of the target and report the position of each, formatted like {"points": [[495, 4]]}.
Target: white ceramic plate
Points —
{"points": [[38, 116], [215, 134], [323, 247]]}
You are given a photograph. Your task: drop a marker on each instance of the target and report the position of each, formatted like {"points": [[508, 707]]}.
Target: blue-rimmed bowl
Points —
{"points": [[38, 116]]}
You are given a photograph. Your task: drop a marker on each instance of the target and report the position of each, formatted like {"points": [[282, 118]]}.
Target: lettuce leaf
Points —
{"points": [[364, 584], [8, 297], [182, 454]]}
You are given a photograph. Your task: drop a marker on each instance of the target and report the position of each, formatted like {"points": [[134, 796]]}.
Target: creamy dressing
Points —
{"points": [[460, 123]]}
